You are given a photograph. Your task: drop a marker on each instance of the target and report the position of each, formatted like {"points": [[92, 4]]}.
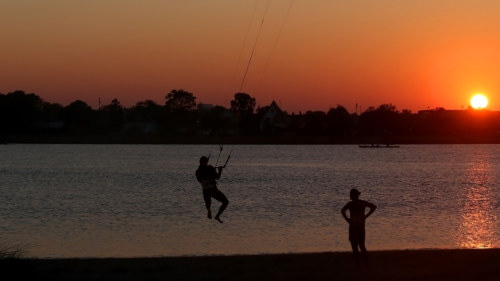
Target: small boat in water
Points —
{"points": [[378, 146]]}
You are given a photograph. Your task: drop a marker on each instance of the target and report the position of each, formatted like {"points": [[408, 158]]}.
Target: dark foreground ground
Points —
{"points": [[385, 265]]}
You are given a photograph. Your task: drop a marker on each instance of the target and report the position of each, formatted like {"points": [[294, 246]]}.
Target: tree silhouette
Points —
{"points": [[112, 116], [51, 111], [76, 110], [212, 120], [315, 123], [147, 110], [180, 100], [113, 106], [242, 105], [77, 115], [382, 120], [19, 112], [339, 120], [23, 113]]}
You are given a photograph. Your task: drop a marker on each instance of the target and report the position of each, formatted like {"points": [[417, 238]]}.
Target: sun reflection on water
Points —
{"points": [[479, 225]]}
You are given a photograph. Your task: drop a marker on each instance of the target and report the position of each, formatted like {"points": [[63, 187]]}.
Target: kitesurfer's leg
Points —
{"points": [[208, 201], [219, 196]]}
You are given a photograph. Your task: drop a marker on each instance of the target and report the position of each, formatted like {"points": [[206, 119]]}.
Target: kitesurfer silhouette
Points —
{"points": [[206, 175], [356, 222]]}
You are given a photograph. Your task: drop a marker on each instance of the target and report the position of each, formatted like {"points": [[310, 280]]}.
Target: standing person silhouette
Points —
{"points": [[207, 175], [356, 222]]}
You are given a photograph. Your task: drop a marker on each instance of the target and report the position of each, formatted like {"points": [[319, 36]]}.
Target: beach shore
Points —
{"points": [[481, 264]]}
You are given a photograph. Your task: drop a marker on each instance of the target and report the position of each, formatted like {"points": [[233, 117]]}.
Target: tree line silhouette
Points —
{"points": [[23, 113]]}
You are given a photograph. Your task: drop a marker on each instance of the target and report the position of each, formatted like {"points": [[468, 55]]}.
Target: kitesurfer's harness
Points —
{"points": [[206, 184]]}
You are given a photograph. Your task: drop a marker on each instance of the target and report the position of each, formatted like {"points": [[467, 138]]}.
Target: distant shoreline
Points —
{"points": [[285, 140], [384, 265]]}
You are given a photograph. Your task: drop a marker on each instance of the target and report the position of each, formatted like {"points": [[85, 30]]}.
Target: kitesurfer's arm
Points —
{"points": [[346, 207], [219, 173]]}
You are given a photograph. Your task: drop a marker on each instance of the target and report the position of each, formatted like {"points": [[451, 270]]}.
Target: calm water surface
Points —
{"points": [[141, 200]]}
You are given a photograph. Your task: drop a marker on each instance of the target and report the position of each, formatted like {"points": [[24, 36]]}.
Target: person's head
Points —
{"points": [[354, 194], [203, 160]]}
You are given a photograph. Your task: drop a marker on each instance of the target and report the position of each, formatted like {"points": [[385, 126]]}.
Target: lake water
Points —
{"points": [[144, 200]]}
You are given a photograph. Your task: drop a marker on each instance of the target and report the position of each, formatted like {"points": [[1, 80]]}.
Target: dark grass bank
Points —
{"points": [[385, 265]]}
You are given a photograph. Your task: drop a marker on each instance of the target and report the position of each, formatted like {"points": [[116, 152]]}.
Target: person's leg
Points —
{"points": [[208, 201], [364, 252], [354, 246], [219, 196]]}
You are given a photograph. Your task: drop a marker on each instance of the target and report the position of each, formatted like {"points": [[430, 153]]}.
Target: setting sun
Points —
{"points": [[479, 101]]}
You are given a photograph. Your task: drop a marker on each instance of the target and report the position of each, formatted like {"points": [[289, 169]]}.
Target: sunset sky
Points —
{"points": [[414, 54]]}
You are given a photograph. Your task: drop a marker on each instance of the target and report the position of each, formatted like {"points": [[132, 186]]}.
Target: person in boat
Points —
{"points": [[206, 175], [356, 222]]}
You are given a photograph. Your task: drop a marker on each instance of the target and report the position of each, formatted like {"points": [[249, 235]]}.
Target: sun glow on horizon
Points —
{"points": [[479, 102]]}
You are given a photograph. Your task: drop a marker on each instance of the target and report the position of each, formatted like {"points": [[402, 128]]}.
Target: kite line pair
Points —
{"points": [[221, 147]]}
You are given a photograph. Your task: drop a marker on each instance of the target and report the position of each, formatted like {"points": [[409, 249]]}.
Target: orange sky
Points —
{"points": [[413, 54]]}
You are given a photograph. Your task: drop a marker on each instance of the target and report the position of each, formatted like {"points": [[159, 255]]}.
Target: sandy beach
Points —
{"points": [[384, 265]]}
